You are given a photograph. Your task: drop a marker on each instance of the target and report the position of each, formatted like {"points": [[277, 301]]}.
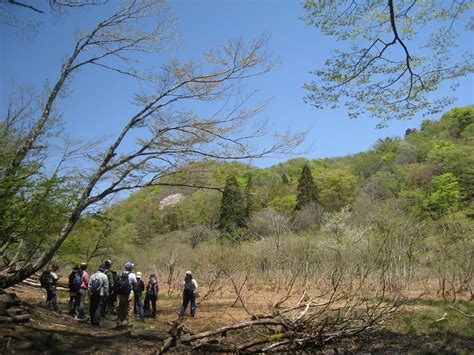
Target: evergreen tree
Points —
{"points": [[284, 179], [233, 206], [307, 191]]}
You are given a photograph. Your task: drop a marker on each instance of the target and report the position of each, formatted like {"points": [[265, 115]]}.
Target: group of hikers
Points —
{"points": [[105, 287]]}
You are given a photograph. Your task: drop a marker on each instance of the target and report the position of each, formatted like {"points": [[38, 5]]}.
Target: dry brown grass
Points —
{"points": [[211, 314]]}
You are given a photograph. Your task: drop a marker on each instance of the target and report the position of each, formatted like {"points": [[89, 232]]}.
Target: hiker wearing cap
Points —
{"points": [[137, 291], [124, 288], [189, 294], [98, 291], [152, 289], [81, 294], [107, 265]]}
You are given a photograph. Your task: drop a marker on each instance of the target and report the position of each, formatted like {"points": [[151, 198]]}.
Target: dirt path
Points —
{"points": [[51, 332]]}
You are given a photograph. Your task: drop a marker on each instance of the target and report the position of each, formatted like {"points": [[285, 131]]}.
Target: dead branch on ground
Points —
{"points": [[461, 312], [335, 313]]}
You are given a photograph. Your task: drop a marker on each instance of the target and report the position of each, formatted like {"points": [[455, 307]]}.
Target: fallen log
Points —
{"points": [[15, 319], [214, 346], [9, 299], [106, 334], [13, 311], [222, 330], [169, 343], [149, 335], [252, 343], [36, 284], [62, 329]]}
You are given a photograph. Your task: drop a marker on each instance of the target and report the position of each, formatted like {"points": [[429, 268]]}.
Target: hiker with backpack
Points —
{"points": [[124, 288], [189, 294], [110, 277], [113, 295], [98, 287], [138, 289], [81, 294], [152, 289], [48, 280], [75, 281]]}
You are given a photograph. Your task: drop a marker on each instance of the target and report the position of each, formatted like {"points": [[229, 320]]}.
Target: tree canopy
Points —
{"points": [[392, 55]]}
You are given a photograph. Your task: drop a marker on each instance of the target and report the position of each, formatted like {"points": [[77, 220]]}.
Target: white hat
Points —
{"points": [[139, 275]]}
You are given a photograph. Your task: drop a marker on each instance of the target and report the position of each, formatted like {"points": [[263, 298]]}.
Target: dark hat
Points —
{"points": [[108, 263], [102, 268]]}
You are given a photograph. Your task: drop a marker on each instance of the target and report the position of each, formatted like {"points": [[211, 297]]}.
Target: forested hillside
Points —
{"points": [[414, 195]]}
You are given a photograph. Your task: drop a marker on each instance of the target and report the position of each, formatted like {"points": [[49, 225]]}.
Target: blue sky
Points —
{"points": [[99, 101]]}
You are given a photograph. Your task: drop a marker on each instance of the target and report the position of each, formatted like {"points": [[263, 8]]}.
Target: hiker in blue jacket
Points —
{"points": [[75, 281]]}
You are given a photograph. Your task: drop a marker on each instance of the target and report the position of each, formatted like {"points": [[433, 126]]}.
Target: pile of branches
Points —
{"points": [[312, 322]]}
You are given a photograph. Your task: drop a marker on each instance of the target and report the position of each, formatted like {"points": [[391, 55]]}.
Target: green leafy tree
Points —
{"points": [[397, 54], [285, 203], [366, 164], [307, 191], [337, 188], [199, 209], [445, 194], [233, 207], [89, 241], [388, 150], [458, 120], [33, 204], [451, 157]]}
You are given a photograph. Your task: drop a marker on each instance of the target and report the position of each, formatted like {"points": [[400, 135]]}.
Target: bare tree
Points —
{"points": [[322, 316], [33, 5], [339, 299], [170, 135], [275, 225], [27, 15]]}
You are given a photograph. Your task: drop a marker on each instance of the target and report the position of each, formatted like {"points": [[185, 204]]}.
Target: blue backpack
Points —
{"points": [[95, 285], [76, 281], [122, 285]]}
